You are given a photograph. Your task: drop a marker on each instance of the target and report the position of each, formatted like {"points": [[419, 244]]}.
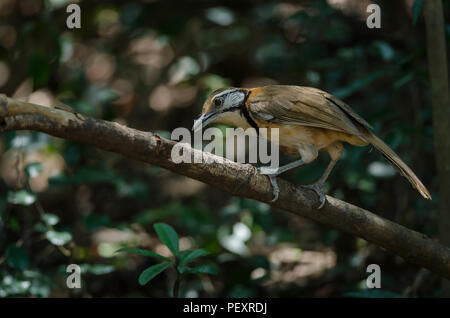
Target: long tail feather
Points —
{"points": [[397, 163]]}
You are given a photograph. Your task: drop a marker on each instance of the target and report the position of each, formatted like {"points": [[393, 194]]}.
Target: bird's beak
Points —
{"points": [[204, 120]]}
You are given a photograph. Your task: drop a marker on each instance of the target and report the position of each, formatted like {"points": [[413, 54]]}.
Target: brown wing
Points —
{"points": [[305, 106]]}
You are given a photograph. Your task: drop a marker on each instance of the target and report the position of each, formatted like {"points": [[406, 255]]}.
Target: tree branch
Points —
{"points": [[238, 179]]}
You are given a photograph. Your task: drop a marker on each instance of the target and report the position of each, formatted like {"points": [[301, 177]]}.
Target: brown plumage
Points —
{"points": [[309, 120]]}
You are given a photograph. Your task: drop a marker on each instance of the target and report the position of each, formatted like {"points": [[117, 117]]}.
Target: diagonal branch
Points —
{"points": [[238, 179]]}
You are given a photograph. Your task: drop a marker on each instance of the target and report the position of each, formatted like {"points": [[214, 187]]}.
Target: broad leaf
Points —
{"points": [[22, 197], [152, 271], [58, 238], [184, 259], [183, 254], [50, 219], [144, 253], [168, 236]]}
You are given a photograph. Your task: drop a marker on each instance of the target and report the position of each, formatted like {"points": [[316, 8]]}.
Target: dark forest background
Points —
{"points": [[150, 65]]}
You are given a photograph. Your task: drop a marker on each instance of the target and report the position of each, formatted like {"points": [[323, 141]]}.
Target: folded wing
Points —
{"points": [[305, 106]]}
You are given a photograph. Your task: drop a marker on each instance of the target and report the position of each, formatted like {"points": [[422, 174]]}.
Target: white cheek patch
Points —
{"points": [[233, 99]]}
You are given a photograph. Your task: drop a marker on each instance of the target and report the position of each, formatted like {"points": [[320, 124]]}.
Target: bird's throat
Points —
{"points": [[233, 118]]}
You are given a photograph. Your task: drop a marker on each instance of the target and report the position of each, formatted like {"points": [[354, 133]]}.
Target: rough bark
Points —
{"points": [[238, 179], [440, 97]]}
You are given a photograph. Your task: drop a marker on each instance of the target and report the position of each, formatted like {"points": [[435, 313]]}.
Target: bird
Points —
{"points": [[309, 120]]}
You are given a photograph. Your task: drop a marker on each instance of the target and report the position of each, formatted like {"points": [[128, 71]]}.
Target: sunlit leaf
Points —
{"points": [[58, 238], [220, 15], [50, 219], [11, 285], [108, 249], [381, 169], [21, 197]]}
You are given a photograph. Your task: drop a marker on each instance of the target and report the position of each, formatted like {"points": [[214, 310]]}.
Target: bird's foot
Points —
{"points": [[317, 188], [275, 188], [272, 174]]}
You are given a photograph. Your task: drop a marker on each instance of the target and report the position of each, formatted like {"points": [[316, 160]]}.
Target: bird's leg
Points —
{"points": [[317, 186], [272, 173], [277, 171], [307, 153], [335, 152]]}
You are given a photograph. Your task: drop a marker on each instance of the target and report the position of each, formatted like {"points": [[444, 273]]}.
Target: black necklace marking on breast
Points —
{"points": [[244, 111]]}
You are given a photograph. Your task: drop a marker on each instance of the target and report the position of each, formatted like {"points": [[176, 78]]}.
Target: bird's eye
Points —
{"points": [[217, 102]]}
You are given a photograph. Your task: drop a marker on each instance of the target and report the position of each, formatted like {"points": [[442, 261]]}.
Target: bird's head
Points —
{"points": [[223, 105]]}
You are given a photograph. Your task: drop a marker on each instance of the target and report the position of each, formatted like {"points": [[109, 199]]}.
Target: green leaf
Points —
{"points": [[204, 269], [17, 257], [183, 254], [144, 253], [58, 238], [21, 197], [168, 236], [190, 255], [50, 219], [152, 271], [33, 169], [417, 10]]}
